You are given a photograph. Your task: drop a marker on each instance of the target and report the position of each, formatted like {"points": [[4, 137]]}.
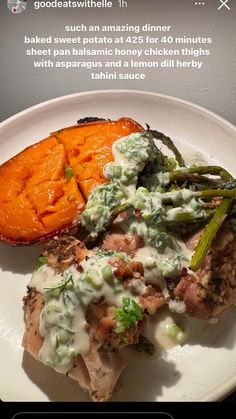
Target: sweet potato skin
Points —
{"points": [[37, 200]]}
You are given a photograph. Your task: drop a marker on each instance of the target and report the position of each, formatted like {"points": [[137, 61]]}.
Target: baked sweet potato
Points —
{"points": [[89, 147], [44, 188]]}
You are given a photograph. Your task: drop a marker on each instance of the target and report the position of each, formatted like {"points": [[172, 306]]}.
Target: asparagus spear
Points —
{"points": [[202, 170], [229, 185], [213, 193], [198, 182], [193, 178], [167, 141], [189, 217], [217, 185], [209, 234], [170, 197]]}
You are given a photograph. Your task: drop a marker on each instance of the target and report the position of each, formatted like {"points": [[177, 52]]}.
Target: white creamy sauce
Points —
{"points": [[62, 321], [61, 357], [177, 196], [185, 252], [156, 263], [151, 261], [130, 190], [161, 332], [44, 277], [121, 160], [163, 178], [113, 295], [173, 212], [195, 159], [159, 326], [177, 306]]}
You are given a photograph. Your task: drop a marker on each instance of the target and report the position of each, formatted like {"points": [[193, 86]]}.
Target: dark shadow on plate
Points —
{"points": [[144, 384], [20, 260], [145, 377], [55, 386], [218, 335]]}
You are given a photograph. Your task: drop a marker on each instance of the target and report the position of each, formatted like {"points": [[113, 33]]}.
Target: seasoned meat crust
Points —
{"points": [[122, 243], [98, 372], [62, 252], [206, 294], [212, 289], [33, 304]]}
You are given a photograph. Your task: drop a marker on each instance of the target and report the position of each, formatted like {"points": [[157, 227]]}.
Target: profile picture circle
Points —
{"points": [[17, 6]]}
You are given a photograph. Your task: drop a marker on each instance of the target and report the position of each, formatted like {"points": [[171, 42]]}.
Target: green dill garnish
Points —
{"points": [[100, 253], [56, 291], [68, 298], [41, 261], [88, 290], [69, 173], [139, 151], [127, 315], [163, 241], [65, 329], [103, 252]]}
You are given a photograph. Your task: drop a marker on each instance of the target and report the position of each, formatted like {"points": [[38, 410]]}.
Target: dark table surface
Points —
{"points": [[231, 398]]}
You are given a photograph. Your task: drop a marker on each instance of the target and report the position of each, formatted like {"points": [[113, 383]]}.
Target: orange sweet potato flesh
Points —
{"points": [[37, 200], [88, 150]]}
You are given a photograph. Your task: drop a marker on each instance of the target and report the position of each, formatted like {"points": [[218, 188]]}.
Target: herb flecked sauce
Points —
{"points": [[67, 296]]}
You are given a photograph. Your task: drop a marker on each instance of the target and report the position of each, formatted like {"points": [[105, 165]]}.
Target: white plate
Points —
{"points": [[205, 368]]}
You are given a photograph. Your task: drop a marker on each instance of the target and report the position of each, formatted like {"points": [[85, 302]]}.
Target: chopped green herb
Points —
{"points": [[163, 241], [56, 291], [103, 252], [77, 290], [107, 273], [172, 163], [127, 315], [139, 151], [176, 334], [93, 278], [68, 298], [117, 171], [41, 261], [69, 173]]}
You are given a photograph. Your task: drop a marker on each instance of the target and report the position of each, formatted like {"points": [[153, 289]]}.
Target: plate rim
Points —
{"points": [[229, 385], [175, 99]]}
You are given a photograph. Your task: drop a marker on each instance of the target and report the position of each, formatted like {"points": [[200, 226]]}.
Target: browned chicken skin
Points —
{"points": [[120, 242], [206, 294], [212, 289], [99, 371], [33, 304]]}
